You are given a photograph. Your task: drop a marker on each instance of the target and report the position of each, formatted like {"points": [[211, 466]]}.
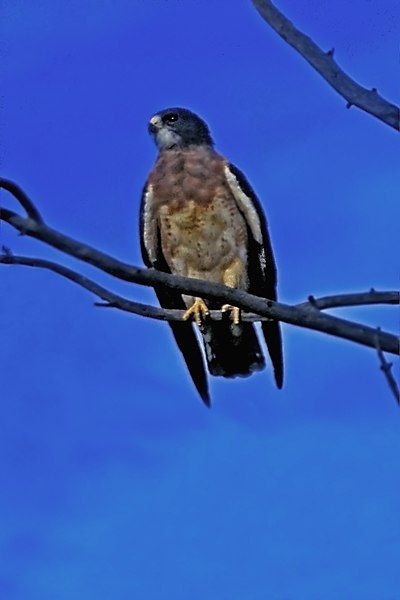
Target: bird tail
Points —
{"points": [[232, 350]]}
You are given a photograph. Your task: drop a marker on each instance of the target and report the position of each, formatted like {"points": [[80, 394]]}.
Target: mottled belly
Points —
{"points": [[202, 241]]}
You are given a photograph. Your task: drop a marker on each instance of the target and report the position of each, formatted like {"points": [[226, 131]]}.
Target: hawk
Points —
{"points": [[200, 218]]}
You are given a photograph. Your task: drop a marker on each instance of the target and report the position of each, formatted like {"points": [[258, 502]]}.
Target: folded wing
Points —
{"points": [[261, 263], [184, 333]]}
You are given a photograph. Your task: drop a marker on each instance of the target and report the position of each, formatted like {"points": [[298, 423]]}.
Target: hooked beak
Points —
{"points": [[155, 123]]}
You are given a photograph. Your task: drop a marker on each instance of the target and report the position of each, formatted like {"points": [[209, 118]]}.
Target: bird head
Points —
{"points": [[178, 128]]}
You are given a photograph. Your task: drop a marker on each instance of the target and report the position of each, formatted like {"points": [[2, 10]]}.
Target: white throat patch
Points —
{"points": [[165, 138]]}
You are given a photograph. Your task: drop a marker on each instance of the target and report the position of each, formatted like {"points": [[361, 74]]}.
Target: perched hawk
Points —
{"points": [[200, 218]]}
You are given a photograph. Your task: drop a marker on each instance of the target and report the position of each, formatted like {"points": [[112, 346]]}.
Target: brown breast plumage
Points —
{"points": [[202, 230], [186, 174]]}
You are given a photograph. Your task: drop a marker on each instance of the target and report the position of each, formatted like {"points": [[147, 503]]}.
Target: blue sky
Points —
{"points": [[116, 482]]}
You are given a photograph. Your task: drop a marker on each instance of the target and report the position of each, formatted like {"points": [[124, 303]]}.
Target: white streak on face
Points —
{"points": [[149, 226], [245, 205]]}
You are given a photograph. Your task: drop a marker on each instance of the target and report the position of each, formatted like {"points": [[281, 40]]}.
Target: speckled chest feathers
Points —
{"points": [[202, 229]]}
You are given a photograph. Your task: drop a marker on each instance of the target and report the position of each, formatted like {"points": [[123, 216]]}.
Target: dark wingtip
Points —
{"points": [[205, 396], [278, 373], [201, 383], [273, 338]]}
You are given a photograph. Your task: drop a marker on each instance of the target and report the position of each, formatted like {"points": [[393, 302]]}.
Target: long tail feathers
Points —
{"points": [[232, 351]]}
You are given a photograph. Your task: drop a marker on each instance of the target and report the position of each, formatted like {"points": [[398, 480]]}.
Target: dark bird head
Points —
{"points": [[178, 128]]}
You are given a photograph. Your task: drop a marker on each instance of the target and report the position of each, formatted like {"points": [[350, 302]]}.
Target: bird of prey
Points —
{"points": [[200, 218]]}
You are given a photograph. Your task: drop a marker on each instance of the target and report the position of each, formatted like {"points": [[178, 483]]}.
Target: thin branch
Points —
{"points": [[23, 199], [354, 299], [323, 62], [386, 368], [112, 300]]}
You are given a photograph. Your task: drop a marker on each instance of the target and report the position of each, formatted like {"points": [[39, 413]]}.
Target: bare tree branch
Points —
{"points": [[309, 317], [323, 62], [305, 315], [23, 199], [115, 301], [386, 368], [354, 299]]}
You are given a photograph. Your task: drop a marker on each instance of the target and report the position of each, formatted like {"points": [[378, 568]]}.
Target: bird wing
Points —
{"points": [[184, 334], [261, 263]]}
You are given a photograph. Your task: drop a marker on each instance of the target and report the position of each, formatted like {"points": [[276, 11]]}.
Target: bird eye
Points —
{"points": [[170, 118]]}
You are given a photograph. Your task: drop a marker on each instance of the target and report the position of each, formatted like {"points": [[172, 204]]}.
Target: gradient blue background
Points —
{"points": [[116, 483]]}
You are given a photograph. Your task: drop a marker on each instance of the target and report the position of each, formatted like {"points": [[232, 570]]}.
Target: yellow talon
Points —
{"points": [[234, 310], [199, 310]]}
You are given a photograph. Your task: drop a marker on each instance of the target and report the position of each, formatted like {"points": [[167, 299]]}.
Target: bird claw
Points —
{"points": [[234, 310], [198, 310]]}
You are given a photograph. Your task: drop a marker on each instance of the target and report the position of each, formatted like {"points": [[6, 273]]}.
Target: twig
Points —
{"points": [[386, 368], [323, 62], [354, 299]]}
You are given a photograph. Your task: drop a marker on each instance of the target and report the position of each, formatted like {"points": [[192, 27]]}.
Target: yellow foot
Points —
{"points": [[198, 310], [235, 312]]}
